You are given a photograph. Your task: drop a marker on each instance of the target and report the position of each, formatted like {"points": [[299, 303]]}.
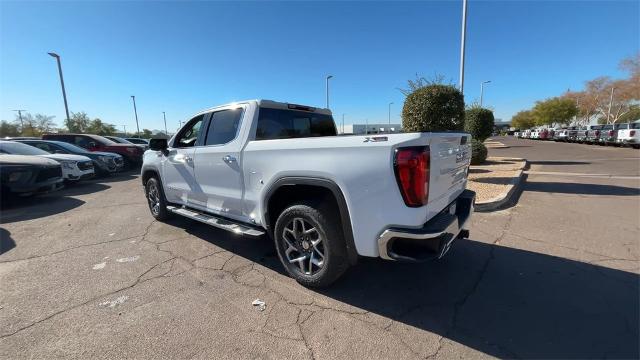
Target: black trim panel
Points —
{"points": [[337, 193]]}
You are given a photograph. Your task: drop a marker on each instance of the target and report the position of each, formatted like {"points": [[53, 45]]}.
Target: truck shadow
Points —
{"points": [[502, 301]]}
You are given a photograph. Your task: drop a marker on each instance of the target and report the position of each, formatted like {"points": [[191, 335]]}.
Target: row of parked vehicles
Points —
{"points": [[30, 165], [626, 134]]}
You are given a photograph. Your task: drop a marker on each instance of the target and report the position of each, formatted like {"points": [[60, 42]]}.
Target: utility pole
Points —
{"points": [[327, 88], [64, 93], [124, 128], [136, 112], [164, 116], [21, 122], [464, 35], [610, 103]]}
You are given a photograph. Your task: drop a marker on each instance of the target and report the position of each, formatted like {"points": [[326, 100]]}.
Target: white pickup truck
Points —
{"points": [[263, 167]]}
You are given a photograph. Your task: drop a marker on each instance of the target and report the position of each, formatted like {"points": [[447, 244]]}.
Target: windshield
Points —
{"points": [[15, 148], [634, 126], [137, 141]]}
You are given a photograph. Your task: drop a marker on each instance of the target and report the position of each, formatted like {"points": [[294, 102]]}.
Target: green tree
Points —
{"points": [[44, 123], [8, 129], [558, 110], [433, 108], [146, 133], [632, 115], [78, 123], [523, 120], [98, 127], [479, 123]]}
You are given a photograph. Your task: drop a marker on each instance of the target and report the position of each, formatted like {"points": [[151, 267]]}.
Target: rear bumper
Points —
{"points": [[434, 239]]}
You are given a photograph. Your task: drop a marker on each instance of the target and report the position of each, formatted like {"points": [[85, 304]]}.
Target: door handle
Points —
{"points": [[228, 159]]}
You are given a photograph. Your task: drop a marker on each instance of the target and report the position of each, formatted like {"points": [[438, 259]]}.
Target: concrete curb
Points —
{"points": [[503, 198]]}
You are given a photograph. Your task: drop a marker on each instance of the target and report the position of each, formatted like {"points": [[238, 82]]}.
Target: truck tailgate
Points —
{"points": [[450, 159]]}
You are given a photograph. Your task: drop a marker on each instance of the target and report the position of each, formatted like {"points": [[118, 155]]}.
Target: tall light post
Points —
{"points": [[21, 123], [464, 36], [164, 116], [391, 103], [124, 128], [327, 88], [482, 90], [64, 92], [135, 111]]}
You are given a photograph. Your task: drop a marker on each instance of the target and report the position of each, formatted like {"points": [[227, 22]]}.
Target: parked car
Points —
{"points": [[581, 134], [131, 154], [27, 175], [535, 134], [138, 141], [543, 134], [120, 140], [593, 134], [74, 167], [526, 134], [630, 136], [104, 163], [561, 134], [609, 133], [572, 134], [260, 166]]}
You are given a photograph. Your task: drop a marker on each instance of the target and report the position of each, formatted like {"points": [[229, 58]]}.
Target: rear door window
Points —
{"points": [[223, 126], [285, 124]]}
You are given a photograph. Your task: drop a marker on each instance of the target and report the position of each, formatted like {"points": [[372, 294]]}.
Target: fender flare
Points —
{"points": [[340, 200]]}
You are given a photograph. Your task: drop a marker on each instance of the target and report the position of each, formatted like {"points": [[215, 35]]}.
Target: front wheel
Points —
{"points": [[310, 245], [156, 200]]}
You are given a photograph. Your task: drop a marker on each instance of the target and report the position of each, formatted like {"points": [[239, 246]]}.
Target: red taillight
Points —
{"points": [[632, 133], [412, 173]]}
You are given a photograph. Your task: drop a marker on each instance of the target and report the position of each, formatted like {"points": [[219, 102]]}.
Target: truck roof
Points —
{"points": [[272, 105]]}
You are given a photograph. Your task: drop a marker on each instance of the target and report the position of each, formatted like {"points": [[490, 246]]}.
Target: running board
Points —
{"points": [[218, 222]]}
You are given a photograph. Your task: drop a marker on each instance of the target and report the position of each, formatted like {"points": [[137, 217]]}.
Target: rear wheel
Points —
{"points": [[156, 200], [310, 244]]}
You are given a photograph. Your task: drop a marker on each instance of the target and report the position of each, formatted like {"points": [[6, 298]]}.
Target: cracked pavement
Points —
{"points": [[87, 272]]}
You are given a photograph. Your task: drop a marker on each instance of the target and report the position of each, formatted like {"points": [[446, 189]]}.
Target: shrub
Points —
{"points": [[478, 152], [433, 108], [479, 123]]}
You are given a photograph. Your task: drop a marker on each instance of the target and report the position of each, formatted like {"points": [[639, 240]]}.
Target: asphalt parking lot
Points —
{"points": [[88, 273]]}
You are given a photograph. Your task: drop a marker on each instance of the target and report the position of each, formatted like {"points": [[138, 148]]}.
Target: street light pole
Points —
{"points": [[135, 111], [482, 90], [124, 128], [327, 88], [390, 115], [64, 92], [165, 123], [21, 123], [464, 35]]}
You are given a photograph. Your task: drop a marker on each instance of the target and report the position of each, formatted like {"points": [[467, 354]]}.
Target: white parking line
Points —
{"points": [[608, 176]]}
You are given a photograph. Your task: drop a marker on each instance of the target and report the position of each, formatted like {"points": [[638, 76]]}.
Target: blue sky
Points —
{"points": [[181, 57]]}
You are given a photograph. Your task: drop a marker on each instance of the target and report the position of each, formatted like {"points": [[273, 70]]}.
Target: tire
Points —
{"points": [[327, 258], [156, 200]]}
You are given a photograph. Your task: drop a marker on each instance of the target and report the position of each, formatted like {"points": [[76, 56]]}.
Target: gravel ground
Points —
{"points": [[492, 179]]}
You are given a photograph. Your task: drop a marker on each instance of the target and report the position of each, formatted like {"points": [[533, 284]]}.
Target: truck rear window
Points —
{"points": [[285, 124]]}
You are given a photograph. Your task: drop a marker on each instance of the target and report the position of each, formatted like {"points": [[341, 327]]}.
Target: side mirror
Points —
{"points": [[158, 144]]}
